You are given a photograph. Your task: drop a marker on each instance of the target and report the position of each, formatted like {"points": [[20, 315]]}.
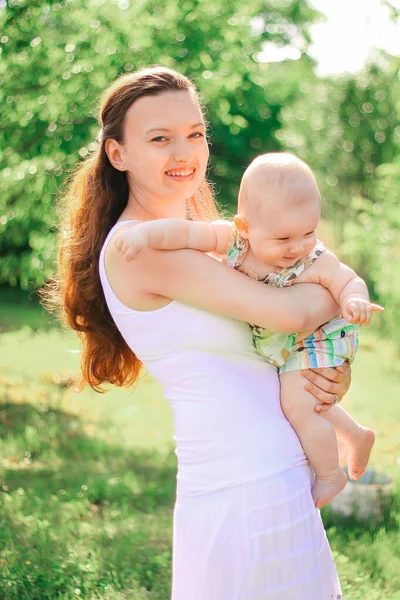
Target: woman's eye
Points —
{"points": [[159, 138], [196, 134]]}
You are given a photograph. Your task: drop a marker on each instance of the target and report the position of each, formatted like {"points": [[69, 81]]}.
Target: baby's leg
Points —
{"points": [[316, 435], [343, 452], [358, 439]]}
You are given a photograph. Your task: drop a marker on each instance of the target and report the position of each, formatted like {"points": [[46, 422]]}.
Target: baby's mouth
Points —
{"points": [[291, 259]]}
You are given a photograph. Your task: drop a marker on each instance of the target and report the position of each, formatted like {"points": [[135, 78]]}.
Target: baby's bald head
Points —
{"points": [[275, 180]]}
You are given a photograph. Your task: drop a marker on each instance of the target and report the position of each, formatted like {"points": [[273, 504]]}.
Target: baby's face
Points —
{"points": [[284, 233]]}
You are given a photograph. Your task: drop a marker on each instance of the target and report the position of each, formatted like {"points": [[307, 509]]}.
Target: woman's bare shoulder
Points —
{"points": [[128, 279]]}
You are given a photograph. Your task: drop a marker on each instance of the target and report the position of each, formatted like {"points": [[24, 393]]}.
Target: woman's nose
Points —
{"points": [[182, 151]]}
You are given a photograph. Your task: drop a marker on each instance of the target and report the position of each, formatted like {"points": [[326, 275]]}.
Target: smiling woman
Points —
{"points": [[102, 188], [245, 525], [162, 156]]}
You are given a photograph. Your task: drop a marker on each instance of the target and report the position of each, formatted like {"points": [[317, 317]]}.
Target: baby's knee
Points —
{"points": [[291, 408], [297, 404]]}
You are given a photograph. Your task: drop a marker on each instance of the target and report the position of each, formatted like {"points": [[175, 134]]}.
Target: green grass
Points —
{"points": [[87, 481], [20, 309]]}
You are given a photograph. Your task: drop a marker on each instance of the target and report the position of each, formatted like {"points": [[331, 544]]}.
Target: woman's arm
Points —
{"points": [[194, 278], [198, 280]]}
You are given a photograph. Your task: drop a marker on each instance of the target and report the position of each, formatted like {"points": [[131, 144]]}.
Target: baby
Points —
{"points": [[273, 239]]}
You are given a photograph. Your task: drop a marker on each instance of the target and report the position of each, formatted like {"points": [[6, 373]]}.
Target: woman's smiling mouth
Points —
{"points": [[181, 174]]}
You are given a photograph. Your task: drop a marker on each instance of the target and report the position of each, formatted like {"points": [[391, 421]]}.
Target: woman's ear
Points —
{"points": [[114, 152], [242, 226]]}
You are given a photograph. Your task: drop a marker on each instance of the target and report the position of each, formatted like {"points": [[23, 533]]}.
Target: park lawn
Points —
{"points": [[87, 481]]}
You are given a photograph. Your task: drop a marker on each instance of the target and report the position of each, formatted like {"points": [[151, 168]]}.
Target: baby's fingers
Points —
{"points": [[368, 314], [322, 408], [133, 253], [365, 314], [377, 308], [119, 243], [349, 315], [370, 309]]}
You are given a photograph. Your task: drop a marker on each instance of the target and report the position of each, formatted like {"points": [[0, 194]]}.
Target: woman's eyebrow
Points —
{"points": [[166, 130]]}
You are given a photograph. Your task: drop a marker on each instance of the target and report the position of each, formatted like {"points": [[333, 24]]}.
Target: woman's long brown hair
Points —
{"points": [[95, 198]]}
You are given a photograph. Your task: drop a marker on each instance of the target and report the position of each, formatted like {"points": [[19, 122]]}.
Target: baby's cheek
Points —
{"points": [[311, 243]]}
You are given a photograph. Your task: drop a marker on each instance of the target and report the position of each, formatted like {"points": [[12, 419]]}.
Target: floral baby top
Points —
{"points": [[330, 345]]}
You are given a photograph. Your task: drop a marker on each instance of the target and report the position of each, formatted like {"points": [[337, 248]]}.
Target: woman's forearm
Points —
{"points": [[315, 304], [196, 279]]}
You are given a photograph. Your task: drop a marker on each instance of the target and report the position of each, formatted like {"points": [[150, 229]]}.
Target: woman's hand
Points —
{"points": [[328, 385]]}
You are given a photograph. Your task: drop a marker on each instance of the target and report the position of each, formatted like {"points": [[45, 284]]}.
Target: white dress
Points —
{"points": [[245, 527]]}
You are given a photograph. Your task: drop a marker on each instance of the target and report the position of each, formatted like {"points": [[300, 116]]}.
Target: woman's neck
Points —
{"points": [[145, 209]]}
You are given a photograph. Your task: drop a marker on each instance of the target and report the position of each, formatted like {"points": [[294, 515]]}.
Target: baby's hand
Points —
{"points": [[359, 310], [131, 243]]}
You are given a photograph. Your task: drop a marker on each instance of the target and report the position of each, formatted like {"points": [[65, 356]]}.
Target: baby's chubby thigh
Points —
{"points": [[297, 404]]}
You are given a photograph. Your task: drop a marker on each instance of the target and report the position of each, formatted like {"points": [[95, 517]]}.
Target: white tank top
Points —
{"points": [[229, 426]]}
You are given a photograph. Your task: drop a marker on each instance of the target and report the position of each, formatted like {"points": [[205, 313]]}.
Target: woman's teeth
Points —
{"points": [[182, 173]]}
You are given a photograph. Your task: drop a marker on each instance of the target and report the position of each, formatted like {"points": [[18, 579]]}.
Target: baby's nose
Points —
{"points": [[296, 246]]}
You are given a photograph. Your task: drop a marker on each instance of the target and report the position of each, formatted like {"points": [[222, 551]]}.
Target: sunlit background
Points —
{"points": [[87, 482], [351, 32]]}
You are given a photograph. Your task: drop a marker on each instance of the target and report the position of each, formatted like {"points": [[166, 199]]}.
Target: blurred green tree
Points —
{"points": [[372, 242], [345, 127], [57, 57]]}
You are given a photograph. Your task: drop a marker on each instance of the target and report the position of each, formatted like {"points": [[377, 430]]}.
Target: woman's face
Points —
{"points": [[165, 151]]}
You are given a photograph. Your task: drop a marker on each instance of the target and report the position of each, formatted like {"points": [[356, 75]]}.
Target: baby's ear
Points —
{"points": [[241, 225]]}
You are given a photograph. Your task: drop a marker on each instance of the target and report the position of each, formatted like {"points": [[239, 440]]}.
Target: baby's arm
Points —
{"points": [[174, 234], [346, 287]]}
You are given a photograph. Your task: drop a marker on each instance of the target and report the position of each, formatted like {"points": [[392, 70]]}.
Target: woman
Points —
{"points": [[245, 525]]}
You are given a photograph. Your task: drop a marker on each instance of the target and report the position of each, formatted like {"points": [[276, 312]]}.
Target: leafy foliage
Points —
{"points": [[347, 129], [56, 59]]}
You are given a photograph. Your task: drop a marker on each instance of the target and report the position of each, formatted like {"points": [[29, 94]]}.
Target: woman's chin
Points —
{"points": [[183, 189]]}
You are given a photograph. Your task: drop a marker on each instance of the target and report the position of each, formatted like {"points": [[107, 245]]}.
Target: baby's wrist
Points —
{"points": [[356, 296], [222, 245], [351, 301]]}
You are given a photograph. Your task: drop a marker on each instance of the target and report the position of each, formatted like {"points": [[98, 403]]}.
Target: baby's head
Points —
{"points": [[279, 209]]}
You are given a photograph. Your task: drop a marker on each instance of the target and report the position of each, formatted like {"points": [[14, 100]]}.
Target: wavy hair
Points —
{"points": [[95, 196]]}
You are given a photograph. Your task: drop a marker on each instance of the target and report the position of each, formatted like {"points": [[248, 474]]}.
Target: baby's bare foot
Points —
{"points": [[327, 486], [359, 452]]}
